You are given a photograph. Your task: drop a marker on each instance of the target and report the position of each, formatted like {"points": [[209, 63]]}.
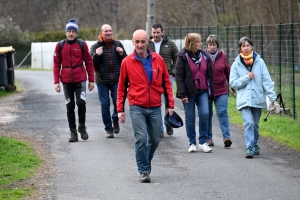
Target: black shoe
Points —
{"points": [[74, 136], [83, 133], [145, 178], [162, 134], [116, 127], [110, 134], [169, 130], [227, 142]]}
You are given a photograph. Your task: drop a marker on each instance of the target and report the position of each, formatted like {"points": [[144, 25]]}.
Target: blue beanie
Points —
{"points": [[72, 25]]}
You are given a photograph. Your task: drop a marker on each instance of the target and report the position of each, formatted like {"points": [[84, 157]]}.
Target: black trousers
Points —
{"points": [[72, 90]]}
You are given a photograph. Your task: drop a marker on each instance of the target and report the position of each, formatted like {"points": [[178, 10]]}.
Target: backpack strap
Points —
{"points": [[81, 44], [79, 41]]}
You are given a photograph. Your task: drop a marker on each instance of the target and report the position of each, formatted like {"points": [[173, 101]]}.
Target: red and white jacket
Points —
{"points": [[134, 84]]}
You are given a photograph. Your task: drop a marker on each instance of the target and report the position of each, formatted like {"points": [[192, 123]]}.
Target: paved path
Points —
{"points": [[102, 168]]}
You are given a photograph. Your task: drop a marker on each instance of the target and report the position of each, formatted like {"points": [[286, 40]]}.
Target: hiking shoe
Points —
{"points": [[255, 150], [145, 178], [192, 148], [110, 134], [116, 127], [74, 136], [162, 134], [227, 142], [169, 130], [82, 131], [204, 147], [210, 142], [249, 153]]}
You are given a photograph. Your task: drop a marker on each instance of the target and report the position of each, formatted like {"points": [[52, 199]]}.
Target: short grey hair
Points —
{"points": [[243, 40]]}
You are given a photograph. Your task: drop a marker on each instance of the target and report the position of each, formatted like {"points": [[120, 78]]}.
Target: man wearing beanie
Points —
{"points": [[72, 65], [107, 55]]}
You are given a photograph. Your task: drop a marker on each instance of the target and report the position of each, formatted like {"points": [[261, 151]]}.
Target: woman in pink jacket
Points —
{"points": [[221, 72]]}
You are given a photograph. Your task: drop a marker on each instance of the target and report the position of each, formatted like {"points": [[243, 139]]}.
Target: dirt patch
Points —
{"points": [[46, 170]]}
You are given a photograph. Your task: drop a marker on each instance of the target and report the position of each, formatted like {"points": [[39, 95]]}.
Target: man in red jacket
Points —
{"points": [[143, 79], [69, 69]]}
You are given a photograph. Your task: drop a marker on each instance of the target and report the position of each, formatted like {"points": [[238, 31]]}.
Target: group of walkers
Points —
{"points": [[146, 78]]}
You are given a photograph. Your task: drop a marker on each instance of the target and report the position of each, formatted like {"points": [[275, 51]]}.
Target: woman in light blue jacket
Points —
{"points": [[250, 77]]}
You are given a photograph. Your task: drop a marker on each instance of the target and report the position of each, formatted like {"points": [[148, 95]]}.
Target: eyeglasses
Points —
{"points": [[140, 41]]}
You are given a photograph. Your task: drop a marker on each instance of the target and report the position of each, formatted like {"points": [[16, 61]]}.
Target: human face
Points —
{"points": [[71, 35], [212, 47], [198, 45], [140, 42], [246, 48], [157, 34], [107, 32]]}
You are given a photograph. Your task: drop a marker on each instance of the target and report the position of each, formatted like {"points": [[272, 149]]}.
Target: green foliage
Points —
{"points": [[52, 36], [10, 32], [18, 162], [226, 19]]}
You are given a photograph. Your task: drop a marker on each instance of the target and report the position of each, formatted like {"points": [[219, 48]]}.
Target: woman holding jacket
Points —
{"points": [[250, 77], [194, 86]]}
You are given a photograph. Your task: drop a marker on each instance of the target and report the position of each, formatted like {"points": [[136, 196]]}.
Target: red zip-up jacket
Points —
{"points": [[68, 66], [134, 84]]}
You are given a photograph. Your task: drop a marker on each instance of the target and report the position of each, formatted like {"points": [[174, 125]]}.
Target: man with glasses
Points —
{"points": [[167, 49], [143, 79]]}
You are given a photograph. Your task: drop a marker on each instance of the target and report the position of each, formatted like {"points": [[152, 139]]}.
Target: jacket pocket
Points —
{"points": [[258, 97]]}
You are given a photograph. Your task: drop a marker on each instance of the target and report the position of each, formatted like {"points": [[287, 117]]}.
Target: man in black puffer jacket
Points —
{"points": [[167, 49], [107, 55]]}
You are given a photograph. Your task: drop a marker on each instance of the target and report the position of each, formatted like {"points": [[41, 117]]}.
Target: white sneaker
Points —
{"points": [[204, 147], [192, 148]]}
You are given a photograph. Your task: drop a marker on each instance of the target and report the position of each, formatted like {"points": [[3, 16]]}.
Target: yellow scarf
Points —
{"points": [[247, 59]]}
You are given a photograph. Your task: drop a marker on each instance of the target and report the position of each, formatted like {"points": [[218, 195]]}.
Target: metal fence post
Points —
{"points": [[293, 71], [279, 56], [262, 41], [249, 31]]}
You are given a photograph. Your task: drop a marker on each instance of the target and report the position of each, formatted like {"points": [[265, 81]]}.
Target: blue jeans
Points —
{"points": [[251, 118], [146, 127], [201, 100], [103, 93], [165, 121], [221, 105]]}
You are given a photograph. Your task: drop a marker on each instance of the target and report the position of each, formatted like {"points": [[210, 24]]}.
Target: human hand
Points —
{"points": [[121, 116], [91, 86], [233, 91], [119, 50], [185, 100], [251, 75], [99, 50], [170, 111], [57, 87]]}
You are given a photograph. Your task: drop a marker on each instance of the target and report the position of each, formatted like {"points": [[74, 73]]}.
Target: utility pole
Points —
{"points": [[150, 15]]}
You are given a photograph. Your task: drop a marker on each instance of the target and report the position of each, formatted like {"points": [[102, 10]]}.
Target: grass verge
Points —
{"points": [[18, 162], [281, 128], [4, 93]]}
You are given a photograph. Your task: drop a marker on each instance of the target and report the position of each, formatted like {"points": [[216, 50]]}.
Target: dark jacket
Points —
{"points": [[71, 65], [184, 78], [168, 51], [221, 70], [107, 65]]}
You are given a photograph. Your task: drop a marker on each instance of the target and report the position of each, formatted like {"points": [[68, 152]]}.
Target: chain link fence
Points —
{"points": [[278, 45]]}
